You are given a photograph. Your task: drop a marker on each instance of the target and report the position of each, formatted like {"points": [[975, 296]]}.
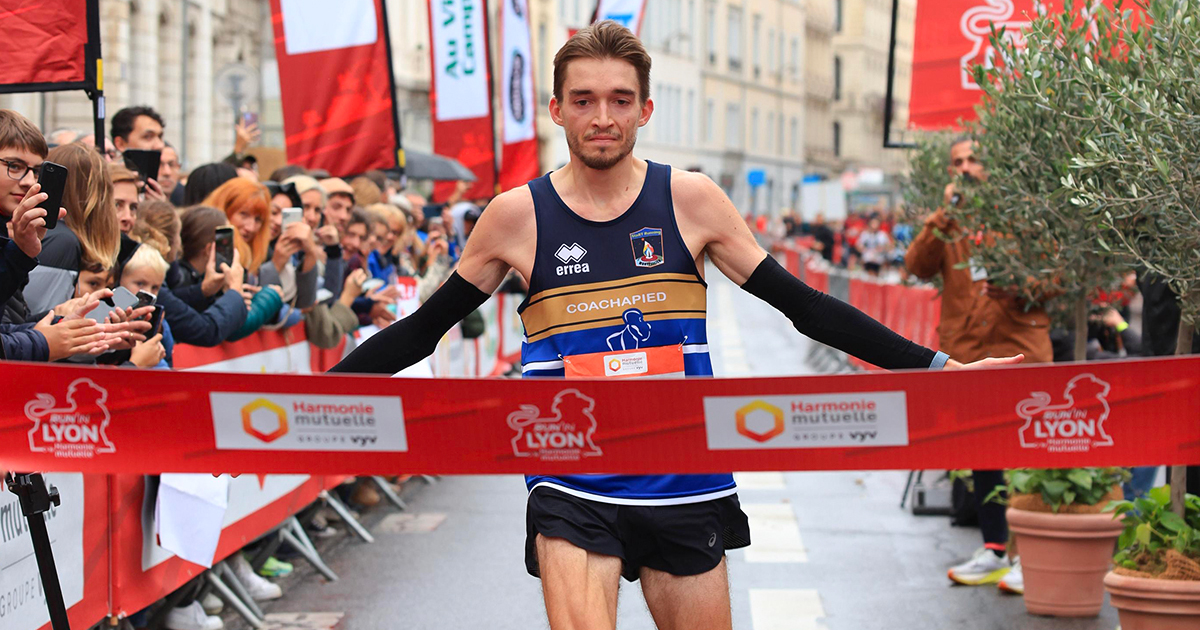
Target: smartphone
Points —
{"points": [[155, 321], [145, 298], [372, 285], [292, 215], [249, 118], [432, 211], [224, 245], [124, 298], [144, 162], [53, 178]]}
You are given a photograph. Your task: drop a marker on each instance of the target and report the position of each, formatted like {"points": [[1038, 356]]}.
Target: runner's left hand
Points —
{"points": [[984, 363]]}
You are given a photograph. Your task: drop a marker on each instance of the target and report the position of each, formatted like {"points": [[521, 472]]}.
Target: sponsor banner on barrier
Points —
{"points": [[22, 600], [277, 422], [820, 421], [1063, 415]]}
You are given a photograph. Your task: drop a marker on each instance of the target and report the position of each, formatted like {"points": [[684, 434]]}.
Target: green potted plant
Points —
{"points": [[1064, 538], [1156, 582]]}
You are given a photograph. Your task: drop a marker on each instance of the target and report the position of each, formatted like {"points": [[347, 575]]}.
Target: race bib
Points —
{"points": [[659, 362]]}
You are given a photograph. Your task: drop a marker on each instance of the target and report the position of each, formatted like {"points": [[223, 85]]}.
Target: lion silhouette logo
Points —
{"points": [[565, 435], [1073, 425], [77, 428], [636, 331]]}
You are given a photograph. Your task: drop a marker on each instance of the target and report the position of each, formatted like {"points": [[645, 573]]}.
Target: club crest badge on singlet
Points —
{"points": [[647, 247]]}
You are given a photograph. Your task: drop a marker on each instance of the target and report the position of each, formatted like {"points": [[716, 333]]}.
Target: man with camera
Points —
{"points": [[978, 320]]}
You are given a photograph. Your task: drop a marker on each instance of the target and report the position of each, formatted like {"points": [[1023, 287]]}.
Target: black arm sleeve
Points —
{"points": [[833, 322], [415, 337]]}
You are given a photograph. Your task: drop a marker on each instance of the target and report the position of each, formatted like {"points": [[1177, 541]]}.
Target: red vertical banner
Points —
{"points": [[335, 80], [460, 98], [519, 153], [43, 45], [951, 38]]}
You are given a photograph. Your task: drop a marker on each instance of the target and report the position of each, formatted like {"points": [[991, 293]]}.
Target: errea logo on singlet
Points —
{"points": [[571, 255]]}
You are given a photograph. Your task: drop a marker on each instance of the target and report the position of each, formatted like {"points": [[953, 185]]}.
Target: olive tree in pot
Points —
{"points": [[1150, 117], [1032, 121], [1065, 540], [1156, 582]]}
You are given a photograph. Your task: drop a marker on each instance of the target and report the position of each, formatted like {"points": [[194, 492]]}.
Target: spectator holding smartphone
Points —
{"points": [[140, 127], [145, 272], [88, 236]]}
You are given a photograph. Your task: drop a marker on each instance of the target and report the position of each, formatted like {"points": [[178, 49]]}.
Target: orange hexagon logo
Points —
{"points": [[265, 436], [758, 405]]}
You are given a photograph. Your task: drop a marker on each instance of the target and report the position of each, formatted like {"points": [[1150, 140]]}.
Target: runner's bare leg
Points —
{"points": [[580, 587], [692, 602]]}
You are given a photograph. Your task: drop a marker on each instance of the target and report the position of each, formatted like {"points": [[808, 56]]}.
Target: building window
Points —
{"points": [[837, 78], [795, 58], [837, 139], [770, 132], [837, 16], [755, 36], [795, 137], [691, 118], [690, 35], [733, 126], [754, 129], [770, 51], [735, 38], [710, 119], [710, 12]]}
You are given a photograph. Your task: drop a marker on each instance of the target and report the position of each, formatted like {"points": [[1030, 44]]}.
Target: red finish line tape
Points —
{"points": [[103, 420]]}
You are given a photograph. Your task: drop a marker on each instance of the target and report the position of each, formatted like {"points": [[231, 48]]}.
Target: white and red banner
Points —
{"points": [[108, 420], [461, 96], [43, 44], [953, 36], [519, 155], [627, 13], [335, 78]]}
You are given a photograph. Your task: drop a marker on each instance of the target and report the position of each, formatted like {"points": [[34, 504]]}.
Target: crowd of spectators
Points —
{"points": [[303, 245], [872, 240]]}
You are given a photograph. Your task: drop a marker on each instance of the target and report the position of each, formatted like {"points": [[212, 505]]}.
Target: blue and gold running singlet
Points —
{"points": [[619, 298]]}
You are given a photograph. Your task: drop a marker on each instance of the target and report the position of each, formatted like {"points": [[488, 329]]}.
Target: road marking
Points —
{"points": [[407, 523], [774, 532], [785, 609], [759, 480], [733, 351]]}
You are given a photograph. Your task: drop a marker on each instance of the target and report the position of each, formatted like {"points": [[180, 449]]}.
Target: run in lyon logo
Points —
{"points": [[1075, 425], [564, 436], [75, 430]]}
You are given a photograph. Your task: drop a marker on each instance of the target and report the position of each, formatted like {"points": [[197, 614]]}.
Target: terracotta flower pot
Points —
{"points": [[1064, 558], [1149, 604]]}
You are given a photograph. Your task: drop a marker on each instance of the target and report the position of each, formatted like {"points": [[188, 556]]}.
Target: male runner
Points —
{"points": [[612, 247]]}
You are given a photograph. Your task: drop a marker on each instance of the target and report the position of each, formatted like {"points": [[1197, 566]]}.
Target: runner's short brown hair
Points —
{"points": [[604, 40], [18, 132]]}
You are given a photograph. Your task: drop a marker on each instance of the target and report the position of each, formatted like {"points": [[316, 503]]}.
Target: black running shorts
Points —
{"points": [[687, 539]]}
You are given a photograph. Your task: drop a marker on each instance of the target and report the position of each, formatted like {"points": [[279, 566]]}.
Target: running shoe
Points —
{"points": [[985, 567], [275, 568], [260, 588], [212, 604], [192, 617], [1014, 581]]}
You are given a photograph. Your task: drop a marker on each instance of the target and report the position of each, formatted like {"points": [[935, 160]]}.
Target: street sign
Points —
{"points": [[756, 178]]}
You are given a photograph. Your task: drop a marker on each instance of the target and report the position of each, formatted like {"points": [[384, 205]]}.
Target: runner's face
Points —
{"points": [[601, 111]]}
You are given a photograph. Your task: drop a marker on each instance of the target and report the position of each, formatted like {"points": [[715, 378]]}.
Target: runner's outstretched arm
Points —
{"points": [[708, 216], [480, 272]]}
